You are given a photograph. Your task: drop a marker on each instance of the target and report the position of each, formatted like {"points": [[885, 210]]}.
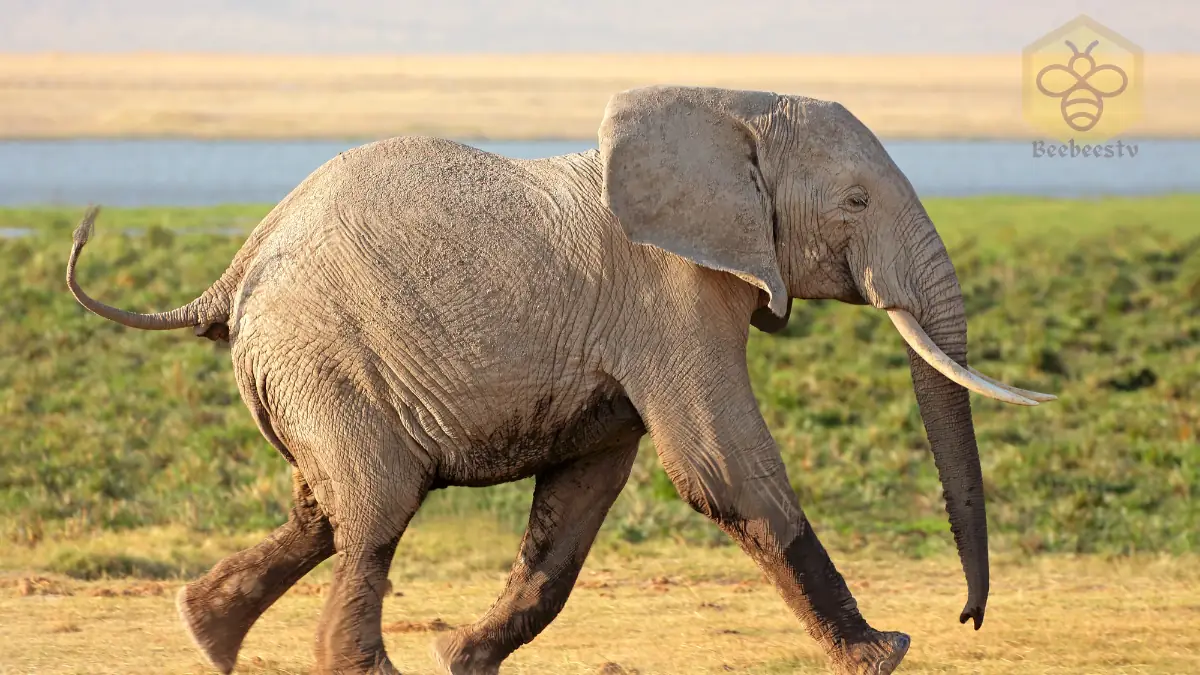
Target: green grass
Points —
{"points": [[104, 428]]}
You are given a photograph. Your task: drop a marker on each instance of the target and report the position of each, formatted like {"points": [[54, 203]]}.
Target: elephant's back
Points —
{"points": [[428, 266], [426, 223], [450, 235]]}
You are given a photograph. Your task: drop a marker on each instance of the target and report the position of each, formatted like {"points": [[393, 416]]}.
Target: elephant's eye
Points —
{"points": [[855, 202]]}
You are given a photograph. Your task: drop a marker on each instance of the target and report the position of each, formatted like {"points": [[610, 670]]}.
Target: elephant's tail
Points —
{"points": [[212, 307]]}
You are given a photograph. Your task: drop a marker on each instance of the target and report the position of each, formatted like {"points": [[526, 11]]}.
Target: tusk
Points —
{"points": [[919, 340], [1035, 395]]}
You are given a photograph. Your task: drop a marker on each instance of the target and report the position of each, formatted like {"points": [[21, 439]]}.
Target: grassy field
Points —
{"points": [[534, 96], [104, 428], [129, 463]]}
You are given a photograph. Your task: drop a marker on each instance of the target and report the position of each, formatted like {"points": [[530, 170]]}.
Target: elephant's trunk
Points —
{"points": [[946, 412], [917, 286]]}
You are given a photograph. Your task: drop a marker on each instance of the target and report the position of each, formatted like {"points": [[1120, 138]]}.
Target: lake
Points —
{"points": [[203, 172]]}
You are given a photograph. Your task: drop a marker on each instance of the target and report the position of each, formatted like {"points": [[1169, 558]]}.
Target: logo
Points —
{"points": [[1082, 84], [1082, 97]]}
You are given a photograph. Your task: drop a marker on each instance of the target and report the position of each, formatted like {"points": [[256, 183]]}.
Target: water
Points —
{"points": [[200, 172]]}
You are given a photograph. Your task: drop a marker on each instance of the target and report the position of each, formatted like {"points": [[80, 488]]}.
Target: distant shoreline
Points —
{"points": [[1027, 137], [509, 97]]}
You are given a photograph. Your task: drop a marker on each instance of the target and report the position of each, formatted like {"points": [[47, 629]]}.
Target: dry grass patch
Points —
{"points": [[672, 610], [513, 96]]}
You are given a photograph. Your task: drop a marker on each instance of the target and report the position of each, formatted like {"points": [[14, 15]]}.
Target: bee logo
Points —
{"points": [[1082, 86]]}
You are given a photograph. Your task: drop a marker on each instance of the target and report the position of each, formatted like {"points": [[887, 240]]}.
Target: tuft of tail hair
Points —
{"points": [[84, 231]]}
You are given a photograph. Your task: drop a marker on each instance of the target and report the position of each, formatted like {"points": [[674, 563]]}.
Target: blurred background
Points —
{"points": [[128, 458]]}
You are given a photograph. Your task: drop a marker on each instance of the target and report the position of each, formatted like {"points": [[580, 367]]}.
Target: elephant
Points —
{"points": [[418, 314]]}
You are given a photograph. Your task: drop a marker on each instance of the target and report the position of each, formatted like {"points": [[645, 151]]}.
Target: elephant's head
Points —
{"points": [[798, 198]]}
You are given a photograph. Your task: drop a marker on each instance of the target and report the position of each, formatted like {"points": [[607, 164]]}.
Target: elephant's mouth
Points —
{"points": [[968, 377], [852, 296]]}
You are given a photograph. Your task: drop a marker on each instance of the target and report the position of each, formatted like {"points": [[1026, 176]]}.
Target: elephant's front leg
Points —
{"points": [[569, 505], [219, 608], [715, 446]]}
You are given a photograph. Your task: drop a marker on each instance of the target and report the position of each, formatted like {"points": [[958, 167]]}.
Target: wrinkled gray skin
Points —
{"points": [[419, 314]]}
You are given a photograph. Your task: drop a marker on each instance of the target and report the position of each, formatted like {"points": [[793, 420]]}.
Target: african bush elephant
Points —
{"points": [[420, 314]]}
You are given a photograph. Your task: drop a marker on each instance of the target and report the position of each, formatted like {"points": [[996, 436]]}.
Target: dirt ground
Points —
{"points": [[679, 610]]}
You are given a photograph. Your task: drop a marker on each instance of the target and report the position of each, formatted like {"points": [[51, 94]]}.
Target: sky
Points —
{"points": [[531, 26]]}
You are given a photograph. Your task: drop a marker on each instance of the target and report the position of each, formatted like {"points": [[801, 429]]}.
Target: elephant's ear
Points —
{"points": [[681, 173]]}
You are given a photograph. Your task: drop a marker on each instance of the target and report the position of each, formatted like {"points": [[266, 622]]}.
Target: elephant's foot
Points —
{"points": [[353, 661], [382, 666], [457, 656], [879, 654], [345, 655], [218, 638]]}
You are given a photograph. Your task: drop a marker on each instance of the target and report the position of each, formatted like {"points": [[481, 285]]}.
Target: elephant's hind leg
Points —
{"points": [[371, 493], [569, 505], [219, 608]]}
